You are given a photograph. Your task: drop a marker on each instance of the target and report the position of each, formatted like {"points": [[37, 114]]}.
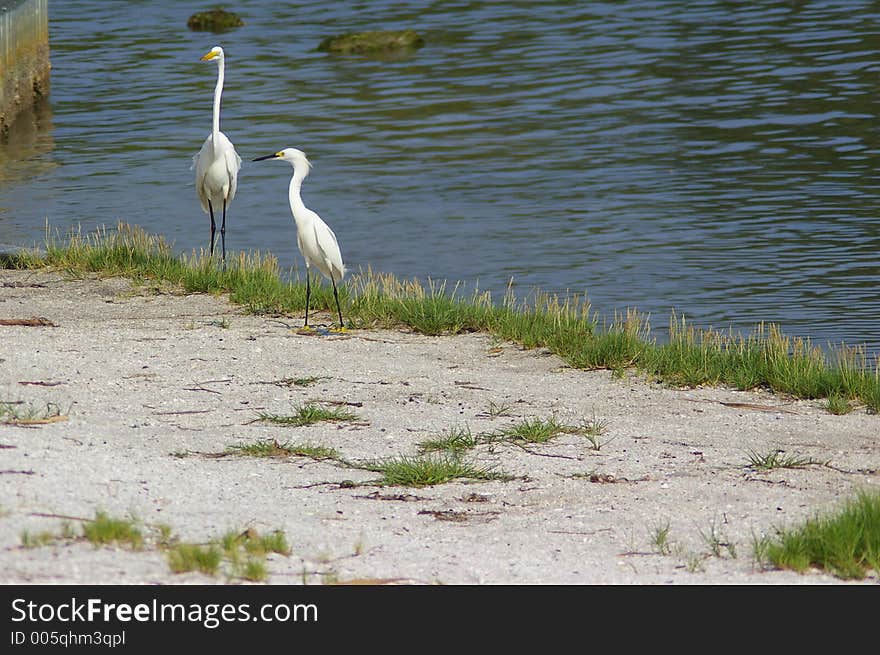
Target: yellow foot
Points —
{"points": [[320, 331]]}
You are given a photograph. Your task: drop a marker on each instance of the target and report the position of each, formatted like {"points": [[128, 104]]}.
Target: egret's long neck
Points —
{"points": [[296, 203], [218, 90]]}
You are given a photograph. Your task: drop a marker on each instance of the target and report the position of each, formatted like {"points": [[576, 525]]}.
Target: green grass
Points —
{"points": [[765, 358], [254, 570], [455, 441], [716, 541], [299, 382], [838, 404], [538, 430], [183, 558], [241, 554], [254, 543], [777, 459], [660, 539], [29, 414], [246, 552], [497, 410], [271, 448], [105, 530], [593, 429], [533, 430], [37, 539], [46, 537], [845, 543], [426, 471], [309, 414], [306, 381]]}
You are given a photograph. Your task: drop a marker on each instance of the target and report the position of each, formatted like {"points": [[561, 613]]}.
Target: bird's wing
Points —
{"points": [[329, 247], [231, 161], [233, 164], [201, 162]]}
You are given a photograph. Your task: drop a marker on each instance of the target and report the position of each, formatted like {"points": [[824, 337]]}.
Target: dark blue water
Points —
{"points": [[713, 158]]}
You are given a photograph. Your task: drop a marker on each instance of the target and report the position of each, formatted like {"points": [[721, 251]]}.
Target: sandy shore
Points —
{"points": [[153, 389]]}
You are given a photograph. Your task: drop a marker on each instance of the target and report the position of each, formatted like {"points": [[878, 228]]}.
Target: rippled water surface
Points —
{"points": [[713, 158]]}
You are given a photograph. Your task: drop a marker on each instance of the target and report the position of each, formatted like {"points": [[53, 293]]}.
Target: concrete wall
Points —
{"points": [[24, 56]]}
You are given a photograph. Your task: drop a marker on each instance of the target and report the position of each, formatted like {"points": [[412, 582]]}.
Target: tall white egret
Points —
{"points": [[315, 239], [216, 163]]}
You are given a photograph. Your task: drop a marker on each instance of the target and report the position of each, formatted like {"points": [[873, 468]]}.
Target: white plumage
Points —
{"points": [[316, 241], [217, 163]]}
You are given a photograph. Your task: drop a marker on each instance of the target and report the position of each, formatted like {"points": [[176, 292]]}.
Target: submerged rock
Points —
{"points": [[376, 42], [214, 20]]}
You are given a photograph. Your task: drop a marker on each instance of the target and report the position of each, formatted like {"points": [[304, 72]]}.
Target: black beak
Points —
{"points": [[274, 155]]}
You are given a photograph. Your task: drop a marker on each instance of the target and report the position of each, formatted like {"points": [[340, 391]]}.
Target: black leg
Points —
{"points": [[308, 293], [336, 295], [223, 232], [213, 227]]}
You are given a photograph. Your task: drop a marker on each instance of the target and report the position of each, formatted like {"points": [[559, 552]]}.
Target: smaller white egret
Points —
{"points": [[216, 163], [315, 239]]}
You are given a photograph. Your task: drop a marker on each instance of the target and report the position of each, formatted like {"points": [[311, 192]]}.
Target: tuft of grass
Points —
{"points": [[765, 358], [846, 543], [105, 530], [271, 448], [306, 381], [12, 413], [660, 539], [535, 430], [426, 471], [497, 410], [776, 459], [37, 539], [246, 552], [387, 301], [183, 558], [838, 404], [455, 441], [717, 541], [592, 430], [309, 414], [254, 570], [165, 537], [458, 440], [694, 563], [264, 448], [275, 542], [242, 552], [254, 543], [299, 382], [760, 545]]}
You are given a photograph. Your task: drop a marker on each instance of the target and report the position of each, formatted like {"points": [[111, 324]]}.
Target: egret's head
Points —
{"points": [[297, 158], [214, 54]]}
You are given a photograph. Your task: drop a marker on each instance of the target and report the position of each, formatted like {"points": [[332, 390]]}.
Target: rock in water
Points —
{"points": [[214, 20], [376, 42]]}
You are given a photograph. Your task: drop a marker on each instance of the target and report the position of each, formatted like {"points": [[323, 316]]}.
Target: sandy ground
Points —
{"points": [[153, 387]]}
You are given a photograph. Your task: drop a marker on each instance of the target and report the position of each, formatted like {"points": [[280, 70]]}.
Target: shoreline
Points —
{"points": [[155, 388]]}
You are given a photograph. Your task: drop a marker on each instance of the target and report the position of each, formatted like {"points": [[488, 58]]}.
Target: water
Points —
{"points": [[714, 158]]}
